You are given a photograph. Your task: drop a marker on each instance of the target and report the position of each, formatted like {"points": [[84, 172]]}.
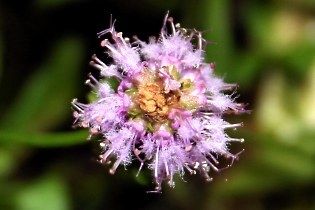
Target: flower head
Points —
{"points": [[167, 109]]}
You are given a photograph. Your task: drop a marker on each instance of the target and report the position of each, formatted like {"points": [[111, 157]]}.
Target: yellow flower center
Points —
{"points": [[154, 102]]}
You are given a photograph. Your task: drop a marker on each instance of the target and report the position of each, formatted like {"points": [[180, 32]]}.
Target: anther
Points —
{"points": [[84, 124], [119, 35], [94, 130], [112, 171], [99, 120], [76, 114], [136, 152], [188, 148], [104, 43], [170, 19], [212, 65], [102, 145], [196, 165]]}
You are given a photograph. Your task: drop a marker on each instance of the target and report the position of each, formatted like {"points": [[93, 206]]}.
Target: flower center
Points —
{"points": [[155, 95], [154, 102]]}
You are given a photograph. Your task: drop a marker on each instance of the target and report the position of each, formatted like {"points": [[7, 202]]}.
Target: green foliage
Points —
{"points": [[217, 18], [43, 139], [47, 193], [41, 102]]}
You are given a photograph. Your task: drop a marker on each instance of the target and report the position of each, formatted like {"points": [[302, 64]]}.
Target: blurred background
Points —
{"points": [[267, 47]]}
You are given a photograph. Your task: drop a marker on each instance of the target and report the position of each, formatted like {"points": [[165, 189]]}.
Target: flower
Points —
{"points": [[167, 109]]}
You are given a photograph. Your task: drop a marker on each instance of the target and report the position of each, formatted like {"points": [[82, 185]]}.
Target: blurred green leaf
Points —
{"points": [[242, 72], [272, 165], [43, 139], [306, 4], [289, 161], [47, 193], [7, 161], [299, 59], [218, 20], [258, 20], [44, 101]]}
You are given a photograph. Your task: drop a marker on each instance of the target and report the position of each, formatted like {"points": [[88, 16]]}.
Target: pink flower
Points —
{"points": [[167, 110]]}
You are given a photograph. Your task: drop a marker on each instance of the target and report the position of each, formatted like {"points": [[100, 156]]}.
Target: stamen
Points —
{"points": [[191, 171], [76, 114], [163, 30], [171, 183], [171, 21], [213, 159], [85, 124], [115, 166], [196, 165], [107, 154], [199, 40], [140, 168], [156, 163], [119, 35], [233, 125], [166, 168], [78, 106], [211, 165], [105, 43], [89, 83]]}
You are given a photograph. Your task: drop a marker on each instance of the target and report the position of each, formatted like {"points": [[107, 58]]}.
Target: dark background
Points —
{"points": [[267, 47]]}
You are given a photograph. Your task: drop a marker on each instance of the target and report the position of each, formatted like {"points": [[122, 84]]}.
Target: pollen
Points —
{"points": [[154, 102]]}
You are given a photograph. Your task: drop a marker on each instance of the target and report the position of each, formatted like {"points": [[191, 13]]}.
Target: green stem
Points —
{"points": [[43, 139]]}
